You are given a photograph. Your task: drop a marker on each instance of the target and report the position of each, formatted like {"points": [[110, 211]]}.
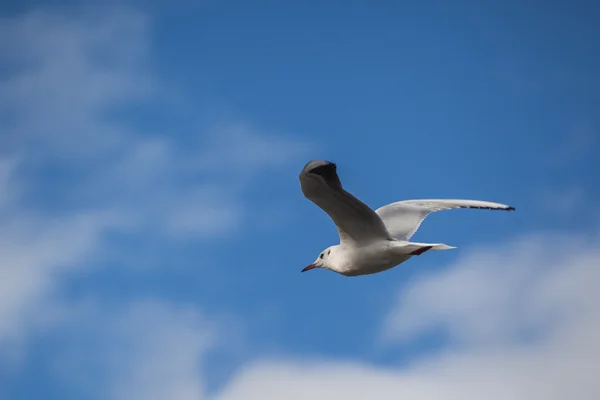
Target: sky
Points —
{"points": [[152, 227]]}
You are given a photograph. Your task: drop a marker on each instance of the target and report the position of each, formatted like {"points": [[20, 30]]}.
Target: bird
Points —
{"points": [[371, 241]]}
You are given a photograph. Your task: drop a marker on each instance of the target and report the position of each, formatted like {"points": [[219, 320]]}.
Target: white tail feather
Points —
{"points": [[416, 248]]}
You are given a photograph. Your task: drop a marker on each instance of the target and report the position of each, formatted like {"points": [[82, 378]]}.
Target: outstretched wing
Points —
{"points": [[355, 221], [403, 218]]}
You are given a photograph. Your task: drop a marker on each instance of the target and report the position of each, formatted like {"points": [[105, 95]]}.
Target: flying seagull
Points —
{"points": [[371, 241]]}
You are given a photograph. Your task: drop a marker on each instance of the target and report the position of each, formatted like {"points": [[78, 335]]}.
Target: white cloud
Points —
{"points": [[34, 252], [63, 77], [8, 189], [35, 248], [496, 296], [237, 147], [204, 212], [64, 74], [147, 349], [163, 352], [69, 75], [52, 97], [544, 285]]}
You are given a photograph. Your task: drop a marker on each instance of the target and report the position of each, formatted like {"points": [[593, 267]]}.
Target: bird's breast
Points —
{"points": [[372, 259]]}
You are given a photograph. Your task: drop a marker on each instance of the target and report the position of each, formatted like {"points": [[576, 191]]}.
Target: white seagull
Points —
{"points": [[371, 241]]}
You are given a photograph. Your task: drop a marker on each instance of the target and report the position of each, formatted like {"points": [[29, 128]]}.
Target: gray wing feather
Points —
{"points": [[403, 218], [355, 221]]}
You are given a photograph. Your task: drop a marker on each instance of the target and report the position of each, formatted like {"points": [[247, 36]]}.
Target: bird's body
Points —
{"points": [[371, 241], [369, 259]]}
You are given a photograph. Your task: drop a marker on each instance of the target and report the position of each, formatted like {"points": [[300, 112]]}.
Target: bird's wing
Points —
{"points": [[403, 218], [355, 221]]}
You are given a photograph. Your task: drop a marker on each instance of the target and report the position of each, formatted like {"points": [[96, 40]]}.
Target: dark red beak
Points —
{"points": [[311, 266]]}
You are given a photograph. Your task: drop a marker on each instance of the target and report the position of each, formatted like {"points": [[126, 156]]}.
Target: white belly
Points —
{"points": [[373, 259]]}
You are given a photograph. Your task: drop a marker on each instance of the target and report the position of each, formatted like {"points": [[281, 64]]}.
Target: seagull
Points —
{"points": [[371, 241]]}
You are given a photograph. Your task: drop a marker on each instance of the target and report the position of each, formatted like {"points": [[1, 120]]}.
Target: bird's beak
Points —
{"points": [[311, 266]]}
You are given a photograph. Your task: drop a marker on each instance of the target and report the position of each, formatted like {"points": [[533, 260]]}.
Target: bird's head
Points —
{"points": [[326, 260]]}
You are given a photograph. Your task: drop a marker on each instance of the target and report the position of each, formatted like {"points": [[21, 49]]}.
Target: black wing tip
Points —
{"points": [[507, 208], [327, 170], [312, 164]]}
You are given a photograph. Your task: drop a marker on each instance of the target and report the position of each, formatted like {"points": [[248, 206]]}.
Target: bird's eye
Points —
{"points": [[321, 256]]}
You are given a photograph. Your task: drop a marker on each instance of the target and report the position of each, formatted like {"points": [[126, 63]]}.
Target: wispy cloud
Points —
{"points": [[502, 295], [34, 250], [8, 189], [163, 349], [36, 247], [523, 314], [65, 74], [71, 170], [149, 348], [60, 100], [81, 157]]}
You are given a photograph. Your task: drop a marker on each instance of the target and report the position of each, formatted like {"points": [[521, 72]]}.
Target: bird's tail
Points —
{"points": [[416, 249]]}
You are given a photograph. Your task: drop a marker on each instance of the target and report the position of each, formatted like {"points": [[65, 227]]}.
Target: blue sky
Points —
{"points": [[152, 228]]}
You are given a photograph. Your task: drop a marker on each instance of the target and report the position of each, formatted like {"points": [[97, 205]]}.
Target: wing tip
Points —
{"points": [[501, 207], [312, 164]]}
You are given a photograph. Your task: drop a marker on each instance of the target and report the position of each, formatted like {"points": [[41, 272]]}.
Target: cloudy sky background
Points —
{"points": [[152, 229]]}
